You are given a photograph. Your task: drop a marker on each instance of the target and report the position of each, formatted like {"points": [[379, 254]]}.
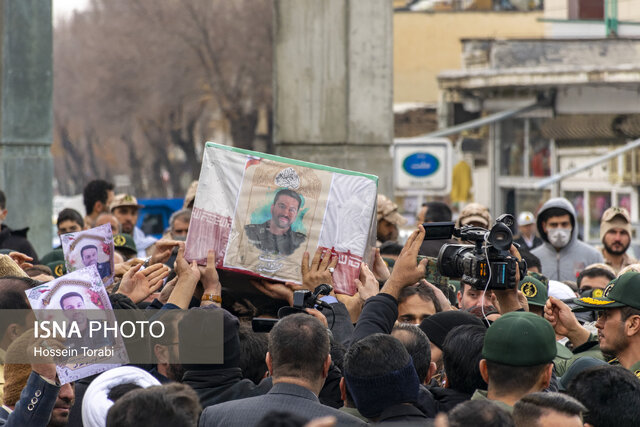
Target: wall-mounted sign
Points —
{"points": [[422, 165]]}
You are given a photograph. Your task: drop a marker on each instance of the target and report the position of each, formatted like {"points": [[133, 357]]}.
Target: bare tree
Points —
{"points": [[139, 80]]}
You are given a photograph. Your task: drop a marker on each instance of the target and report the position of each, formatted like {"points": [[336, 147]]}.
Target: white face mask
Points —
{"points": [[559, 237]]}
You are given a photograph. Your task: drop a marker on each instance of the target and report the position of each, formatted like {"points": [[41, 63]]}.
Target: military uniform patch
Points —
{"points": [[529, 289], [119, 240], [637, 373], [58, 270], [589, 300], [597, 293]]}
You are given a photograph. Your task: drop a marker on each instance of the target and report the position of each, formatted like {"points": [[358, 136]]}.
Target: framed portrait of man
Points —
{"points": [[261, 213], [90, 247], [64, 309]]}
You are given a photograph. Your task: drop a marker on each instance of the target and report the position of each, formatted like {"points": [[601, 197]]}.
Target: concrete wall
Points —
{"points": [[333, 84], [26, 167], [427, 43]]}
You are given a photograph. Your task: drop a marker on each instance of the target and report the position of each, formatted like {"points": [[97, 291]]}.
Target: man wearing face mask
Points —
{"points": [[562, 255]]}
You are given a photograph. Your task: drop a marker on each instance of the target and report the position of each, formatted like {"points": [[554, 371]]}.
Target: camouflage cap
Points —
{"points": [[121, 200], [534, 290], [388, 211], [432, 275], [125, 242], [615, 217], [520, 339], [474, 212], [622, 291]]}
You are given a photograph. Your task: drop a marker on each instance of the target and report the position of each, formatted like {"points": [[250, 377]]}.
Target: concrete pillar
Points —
{"points": [[26, 87], [333, 84]]}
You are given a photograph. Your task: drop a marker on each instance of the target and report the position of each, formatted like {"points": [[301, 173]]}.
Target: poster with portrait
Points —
{"points": [[90, 247], [260, 213], [73, 311]]}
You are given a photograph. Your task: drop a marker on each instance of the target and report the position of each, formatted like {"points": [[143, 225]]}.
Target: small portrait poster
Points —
{"points": [[73, 310], [260, 213], [90, 247]]}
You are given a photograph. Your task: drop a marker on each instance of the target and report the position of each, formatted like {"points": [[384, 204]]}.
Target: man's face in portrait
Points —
{"points": [[89, 256], [73, 307], [283, 212]]}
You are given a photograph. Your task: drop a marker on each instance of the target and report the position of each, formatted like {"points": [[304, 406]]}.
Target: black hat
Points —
{"points": [[438, 325]]}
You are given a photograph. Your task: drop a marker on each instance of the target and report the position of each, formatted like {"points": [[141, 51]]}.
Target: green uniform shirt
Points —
{"points": [[561, 365], [283, 244], [482, 395], [635, 368]]}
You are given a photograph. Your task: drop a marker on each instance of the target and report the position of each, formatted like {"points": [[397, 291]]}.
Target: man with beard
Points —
{"points": [[125, 208], [276, 235], [615, 234], [619, 320]]}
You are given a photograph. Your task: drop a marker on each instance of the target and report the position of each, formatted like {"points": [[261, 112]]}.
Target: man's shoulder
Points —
{"points": [[250, 409], [254, 230]]}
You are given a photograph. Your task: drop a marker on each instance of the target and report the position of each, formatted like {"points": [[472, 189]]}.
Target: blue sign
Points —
{"points": [[421, 164]]}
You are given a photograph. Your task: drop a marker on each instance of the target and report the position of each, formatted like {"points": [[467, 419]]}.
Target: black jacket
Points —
{"points": [[17, 241], [402, 415], [446, 399], [222, 385], [378, 316]]}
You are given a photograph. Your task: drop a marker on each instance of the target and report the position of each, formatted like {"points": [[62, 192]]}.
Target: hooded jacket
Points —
{"points": [[568, 262]]}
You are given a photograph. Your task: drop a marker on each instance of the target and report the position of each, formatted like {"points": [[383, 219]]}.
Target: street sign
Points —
{"points": [[422, 165]]}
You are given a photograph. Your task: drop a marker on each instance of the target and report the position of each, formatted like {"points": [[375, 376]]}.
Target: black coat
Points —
{"points": [[446, 399], [17, 240], [222, 385]]}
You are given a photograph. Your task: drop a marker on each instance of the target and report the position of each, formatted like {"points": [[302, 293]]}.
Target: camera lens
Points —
{"points": [[500, 237]]}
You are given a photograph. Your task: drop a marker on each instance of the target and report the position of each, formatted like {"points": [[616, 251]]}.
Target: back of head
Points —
{"points": [[96, 191], [479, 413], [611, 395], [253, 348], [437, 212], [379, 373], [461, 354], [171, 404], [528, 410], [519, 348], [417, 345], [299, 346]]}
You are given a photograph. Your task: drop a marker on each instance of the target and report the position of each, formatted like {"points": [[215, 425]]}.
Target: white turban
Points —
{"points": [[96, 404]]}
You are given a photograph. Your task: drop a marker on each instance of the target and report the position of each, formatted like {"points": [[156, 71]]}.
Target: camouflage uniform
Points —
{"points": [[262, 238]]}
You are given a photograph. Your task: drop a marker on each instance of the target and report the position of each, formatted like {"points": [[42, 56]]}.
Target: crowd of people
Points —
{"points": [[560, 346]]}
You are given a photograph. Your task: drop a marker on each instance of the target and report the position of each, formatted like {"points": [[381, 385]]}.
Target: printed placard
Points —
{"points": [[72, 313], [90, 247], [260, 213]]}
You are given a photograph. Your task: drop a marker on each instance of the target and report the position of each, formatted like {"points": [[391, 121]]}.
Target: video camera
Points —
{"points": [[487, 263], [301, 300]]}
